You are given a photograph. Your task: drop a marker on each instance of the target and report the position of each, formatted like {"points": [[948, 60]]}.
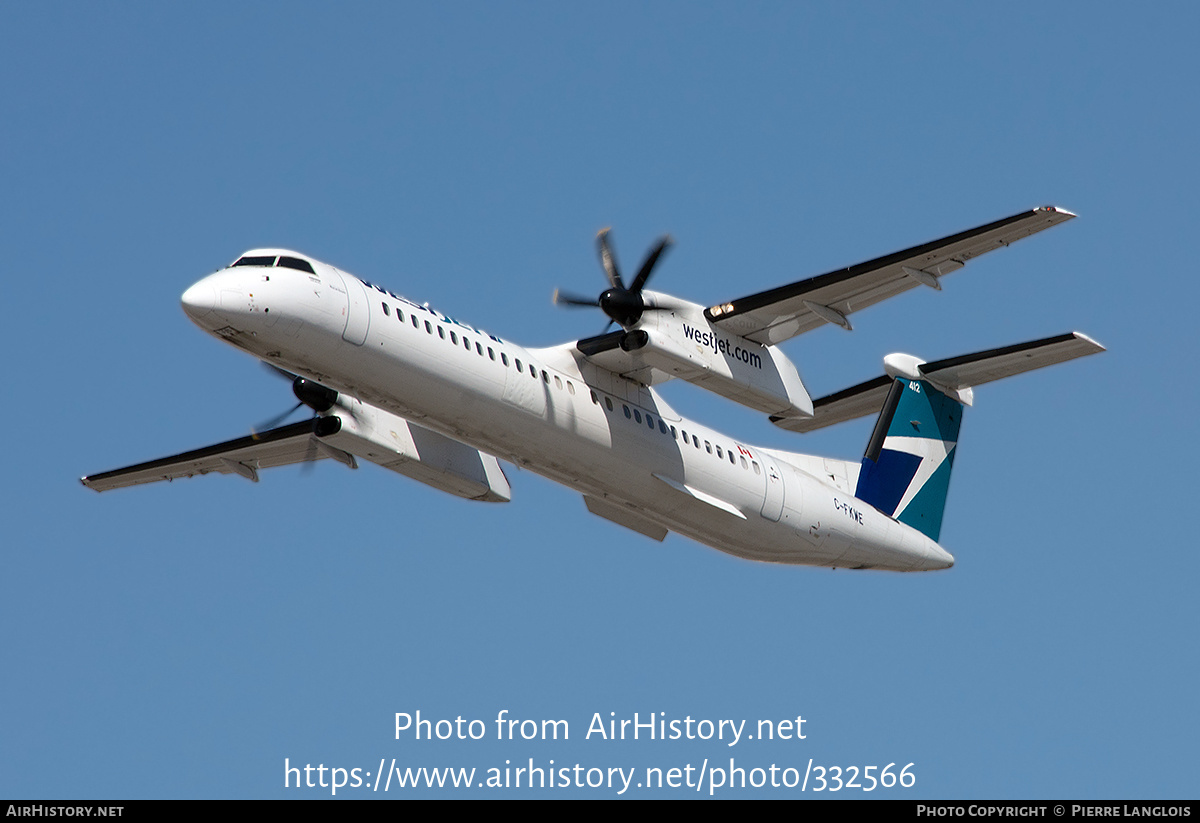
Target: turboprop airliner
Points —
{"points": [[415, 391]]}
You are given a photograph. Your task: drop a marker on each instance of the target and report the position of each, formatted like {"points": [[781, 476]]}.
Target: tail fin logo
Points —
{"points": [[906, 470]]}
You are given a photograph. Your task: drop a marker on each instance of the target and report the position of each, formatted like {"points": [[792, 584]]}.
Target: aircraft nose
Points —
{"points": [[200, 300]]}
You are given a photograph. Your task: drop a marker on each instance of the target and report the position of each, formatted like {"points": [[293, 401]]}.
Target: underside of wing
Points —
{"points": [[773, 316], [369, 433], [244, 456]]}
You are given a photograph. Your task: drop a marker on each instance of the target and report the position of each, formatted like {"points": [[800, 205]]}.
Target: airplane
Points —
{"points": [[404, 386]]}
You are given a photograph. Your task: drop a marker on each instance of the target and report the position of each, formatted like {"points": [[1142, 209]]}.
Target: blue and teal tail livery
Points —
{"points": [[906, 470]]}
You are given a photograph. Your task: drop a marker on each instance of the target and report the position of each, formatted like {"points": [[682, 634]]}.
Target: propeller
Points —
{"points": [[318, 398], [622, 305], [308, 393], [274, 421]]}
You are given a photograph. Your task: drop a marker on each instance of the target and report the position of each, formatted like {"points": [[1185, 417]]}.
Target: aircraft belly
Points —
{"points": [[621, 470]]}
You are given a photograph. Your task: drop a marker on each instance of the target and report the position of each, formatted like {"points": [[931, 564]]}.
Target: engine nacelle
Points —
{"points": [[761, 377], [404, 447]]}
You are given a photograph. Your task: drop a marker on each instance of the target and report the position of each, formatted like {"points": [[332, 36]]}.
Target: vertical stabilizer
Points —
{"points": [[906, 469]]}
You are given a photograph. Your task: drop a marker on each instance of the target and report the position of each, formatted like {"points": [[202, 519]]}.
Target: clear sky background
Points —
{"points": [[182, 640]]}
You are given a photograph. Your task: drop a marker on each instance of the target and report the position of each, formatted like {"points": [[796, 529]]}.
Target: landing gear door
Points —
{"points": [[358, 310]]}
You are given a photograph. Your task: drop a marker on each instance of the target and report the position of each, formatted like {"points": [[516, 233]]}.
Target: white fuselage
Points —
{"points": [[551, 411]]}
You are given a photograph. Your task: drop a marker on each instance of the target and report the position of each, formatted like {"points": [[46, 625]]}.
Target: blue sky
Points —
{"points": [[183, 640]]}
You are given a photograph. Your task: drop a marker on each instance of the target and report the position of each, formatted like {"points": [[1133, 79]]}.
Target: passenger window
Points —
{"points": [[708, 447], [662, 427], [479, 349], [608, 403], [428, 327], [386, 313], [744, 466], [399, 314], [757, 470], [504, 358], [545, 377], [558, 382], [519, 366], [627, 412], [731, 459], [720, 453], [491, 353], [570, 387], [454, 338], [416, 323], [637, 415], [441, 332]]}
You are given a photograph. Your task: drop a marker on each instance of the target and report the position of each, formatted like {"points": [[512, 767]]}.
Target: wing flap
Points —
{"points": [[773, 316]]}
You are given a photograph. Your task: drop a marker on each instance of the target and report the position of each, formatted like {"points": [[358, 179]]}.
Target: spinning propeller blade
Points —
{"points": [[622, 305]]}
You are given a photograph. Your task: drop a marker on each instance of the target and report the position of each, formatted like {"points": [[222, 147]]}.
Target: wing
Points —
{"points": [[370, 434], [245, 456], [961, 372], [773, 316]]}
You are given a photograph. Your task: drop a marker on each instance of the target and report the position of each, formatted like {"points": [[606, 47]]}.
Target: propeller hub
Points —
{"points": [[623, 306]]}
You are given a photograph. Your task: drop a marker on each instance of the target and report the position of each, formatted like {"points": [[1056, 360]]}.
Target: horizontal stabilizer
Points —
{"points": [[994, 364], [952, 374]]}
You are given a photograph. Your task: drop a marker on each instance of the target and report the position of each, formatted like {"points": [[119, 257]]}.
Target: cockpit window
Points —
{"points": [[256, 261], [296, 263]]}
